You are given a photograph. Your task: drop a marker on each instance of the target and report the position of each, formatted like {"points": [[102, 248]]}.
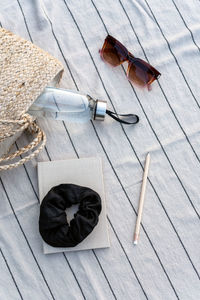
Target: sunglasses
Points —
{"points": [[139, 71]]}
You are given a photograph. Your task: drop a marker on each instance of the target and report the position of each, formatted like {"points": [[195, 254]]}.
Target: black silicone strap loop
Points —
{"points": [[116, 117]]}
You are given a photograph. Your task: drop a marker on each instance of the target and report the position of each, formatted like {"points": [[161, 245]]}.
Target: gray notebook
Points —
{"points": [[85, 172]]}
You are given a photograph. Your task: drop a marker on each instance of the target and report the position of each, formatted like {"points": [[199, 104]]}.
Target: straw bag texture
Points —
{"points": [[25, 70]]}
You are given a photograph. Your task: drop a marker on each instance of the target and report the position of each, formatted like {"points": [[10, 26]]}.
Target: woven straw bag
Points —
{"points": [[25, 70]]}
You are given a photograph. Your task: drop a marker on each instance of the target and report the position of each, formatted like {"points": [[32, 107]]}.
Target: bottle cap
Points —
{"points": [[100, 110]]}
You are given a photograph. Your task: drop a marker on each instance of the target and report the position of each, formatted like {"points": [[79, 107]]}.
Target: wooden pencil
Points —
{"points": [[141, 200]]}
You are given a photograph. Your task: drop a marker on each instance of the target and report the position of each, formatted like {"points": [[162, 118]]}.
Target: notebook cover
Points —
{"points": [[85, 172]]}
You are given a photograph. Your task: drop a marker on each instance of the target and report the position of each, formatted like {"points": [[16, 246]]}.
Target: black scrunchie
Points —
{"points": [[53, 225]]}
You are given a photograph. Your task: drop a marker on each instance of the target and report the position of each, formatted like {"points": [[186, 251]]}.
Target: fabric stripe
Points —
{"points": [[156, 255], [163, 149], [54, 36], [127, 257], [24, 20], [186, 25], [11, 274], [76, 279], [173, 55], [142, 167], [74, 275], [29, 246], [27, 173], [106, 276]]}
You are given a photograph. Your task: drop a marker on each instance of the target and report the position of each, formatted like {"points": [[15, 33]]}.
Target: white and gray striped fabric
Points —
{"points": [[166, 263]]}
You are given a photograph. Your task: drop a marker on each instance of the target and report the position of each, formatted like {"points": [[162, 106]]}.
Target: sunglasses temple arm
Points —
{"points": [[116, 117]]}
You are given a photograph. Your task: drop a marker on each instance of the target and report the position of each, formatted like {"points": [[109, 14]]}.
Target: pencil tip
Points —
{"points": [[135, 242]]}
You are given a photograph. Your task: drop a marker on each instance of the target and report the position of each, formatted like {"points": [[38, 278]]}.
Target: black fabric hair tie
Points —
{"points": [[53, 225]]}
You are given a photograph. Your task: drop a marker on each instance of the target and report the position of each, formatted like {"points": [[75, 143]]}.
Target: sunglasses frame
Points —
{"points": [[128, 56]]}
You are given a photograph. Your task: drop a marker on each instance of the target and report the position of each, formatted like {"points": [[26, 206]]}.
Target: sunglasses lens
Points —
{"points": [[113, 52], [141, 72]]}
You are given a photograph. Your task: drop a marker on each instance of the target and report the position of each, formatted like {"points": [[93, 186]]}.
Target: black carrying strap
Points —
{"points": [[115, 116]]}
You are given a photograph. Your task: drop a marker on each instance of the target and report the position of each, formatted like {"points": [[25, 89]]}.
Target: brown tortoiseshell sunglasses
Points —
{"points": [[139, 71]]}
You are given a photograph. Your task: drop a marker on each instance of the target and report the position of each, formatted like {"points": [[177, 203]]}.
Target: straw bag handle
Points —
{"points": [[25, 123]]}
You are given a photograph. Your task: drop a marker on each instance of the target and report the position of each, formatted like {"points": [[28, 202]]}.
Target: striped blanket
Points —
{"points": [[166, 262]]}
